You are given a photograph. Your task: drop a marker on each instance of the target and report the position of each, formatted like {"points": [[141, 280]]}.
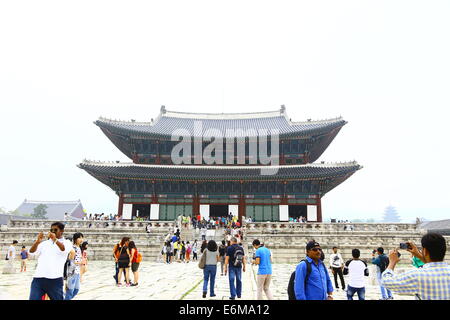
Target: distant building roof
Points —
{"points": [[55, 209], [436, 225]]}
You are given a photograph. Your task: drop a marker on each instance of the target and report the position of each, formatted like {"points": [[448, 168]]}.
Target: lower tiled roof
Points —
{"points": [[192, 172]]}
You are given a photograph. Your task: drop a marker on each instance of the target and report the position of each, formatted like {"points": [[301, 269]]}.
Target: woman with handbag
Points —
{"points": [[210, 267], [124, 261]]}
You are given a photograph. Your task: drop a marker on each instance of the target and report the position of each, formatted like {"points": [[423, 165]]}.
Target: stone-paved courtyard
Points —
{"points": [[162, 281]]}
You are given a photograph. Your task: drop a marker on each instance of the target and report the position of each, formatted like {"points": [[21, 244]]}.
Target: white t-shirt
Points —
{"points": [[336, 260], [356, 271], [78, 257], [51, 259], [11, 253]]}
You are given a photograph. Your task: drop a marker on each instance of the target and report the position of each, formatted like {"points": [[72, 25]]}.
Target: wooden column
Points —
{"points": [[120, 209], [241, 211], [241, 205], [195, 201], [319, 210]]}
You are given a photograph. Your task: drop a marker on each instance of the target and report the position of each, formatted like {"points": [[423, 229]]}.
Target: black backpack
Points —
{"points": [[290, 289], [238, 256]]}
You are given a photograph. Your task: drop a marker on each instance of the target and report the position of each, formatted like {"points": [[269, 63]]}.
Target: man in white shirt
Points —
{"points": [[336, 264], [52, 255], [10, 257], [357, 270], [12, 250]]}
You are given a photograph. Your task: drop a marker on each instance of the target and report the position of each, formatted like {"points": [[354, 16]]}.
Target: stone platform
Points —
{"points": [[160, 281]]}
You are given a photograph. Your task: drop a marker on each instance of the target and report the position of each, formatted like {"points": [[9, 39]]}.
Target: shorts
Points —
{"points": [[134, 266]]}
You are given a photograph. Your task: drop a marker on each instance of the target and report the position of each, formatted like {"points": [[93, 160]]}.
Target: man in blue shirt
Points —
{"points": [[263, 258], [382, 261], [318, 284]]}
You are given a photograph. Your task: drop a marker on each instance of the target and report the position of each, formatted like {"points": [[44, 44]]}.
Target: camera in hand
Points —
{"points": [[404, 246]]}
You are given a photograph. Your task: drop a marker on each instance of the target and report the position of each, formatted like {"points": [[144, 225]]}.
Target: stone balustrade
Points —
{"points": [[85, 224], [292, 227]]}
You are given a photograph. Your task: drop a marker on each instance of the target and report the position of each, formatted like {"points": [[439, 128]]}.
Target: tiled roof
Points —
{"points": [[436, 225], [192, 172], [55, 209], [169, 121]]}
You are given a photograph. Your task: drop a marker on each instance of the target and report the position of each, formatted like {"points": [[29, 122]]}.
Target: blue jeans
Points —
{"points": [[73, 286], [209, 273], [52, 287], [385, 293], [360, 291], [235, 273]]}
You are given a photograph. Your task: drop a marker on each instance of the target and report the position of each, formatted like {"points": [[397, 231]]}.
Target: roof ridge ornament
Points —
{"points": [[163, 109]]}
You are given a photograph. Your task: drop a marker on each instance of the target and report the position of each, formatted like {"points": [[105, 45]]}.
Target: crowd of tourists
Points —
{"points": [[62, 262], [429, 279], [176, 250], [300, 219], [197, 221], [232, 259]]}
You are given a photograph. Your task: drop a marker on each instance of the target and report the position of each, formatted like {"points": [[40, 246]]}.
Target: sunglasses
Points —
{"points": [[54, 230], [316, 249]]}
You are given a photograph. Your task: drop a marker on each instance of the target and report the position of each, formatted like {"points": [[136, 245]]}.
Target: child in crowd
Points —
{"points": [[24, 258]]}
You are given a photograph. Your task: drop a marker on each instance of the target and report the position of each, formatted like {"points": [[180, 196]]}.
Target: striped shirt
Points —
{"points": [[431, 282]]}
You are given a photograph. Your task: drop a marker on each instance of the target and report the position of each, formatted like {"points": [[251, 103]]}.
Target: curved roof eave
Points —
{"points": [[190, 172]]}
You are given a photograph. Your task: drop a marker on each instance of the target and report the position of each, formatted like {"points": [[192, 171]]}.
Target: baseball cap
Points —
{"points": [[312, 244]]}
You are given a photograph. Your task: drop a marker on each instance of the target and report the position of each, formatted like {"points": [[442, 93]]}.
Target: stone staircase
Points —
{"points": [[190, 234]]}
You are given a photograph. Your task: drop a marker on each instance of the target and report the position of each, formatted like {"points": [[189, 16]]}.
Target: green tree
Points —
{"points": [[40, 212]]}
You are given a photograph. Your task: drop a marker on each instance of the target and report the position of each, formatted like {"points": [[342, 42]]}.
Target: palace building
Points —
{"points": [[226, 175]]}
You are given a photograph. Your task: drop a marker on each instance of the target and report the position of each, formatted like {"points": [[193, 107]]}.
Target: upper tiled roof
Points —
{"points": [[131, 170], [169, 121]]}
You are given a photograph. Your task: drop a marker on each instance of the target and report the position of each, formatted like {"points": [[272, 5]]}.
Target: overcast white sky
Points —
{"points": [[383, 65]]}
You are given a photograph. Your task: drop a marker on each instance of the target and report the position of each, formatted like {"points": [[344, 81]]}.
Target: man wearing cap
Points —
{"points": [[312, 281]]}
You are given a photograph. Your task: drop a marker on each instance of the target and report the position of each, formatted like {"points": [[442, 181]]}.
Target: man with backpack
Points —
{"points": [[311, 280], [235, 263], [382, 262]]}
